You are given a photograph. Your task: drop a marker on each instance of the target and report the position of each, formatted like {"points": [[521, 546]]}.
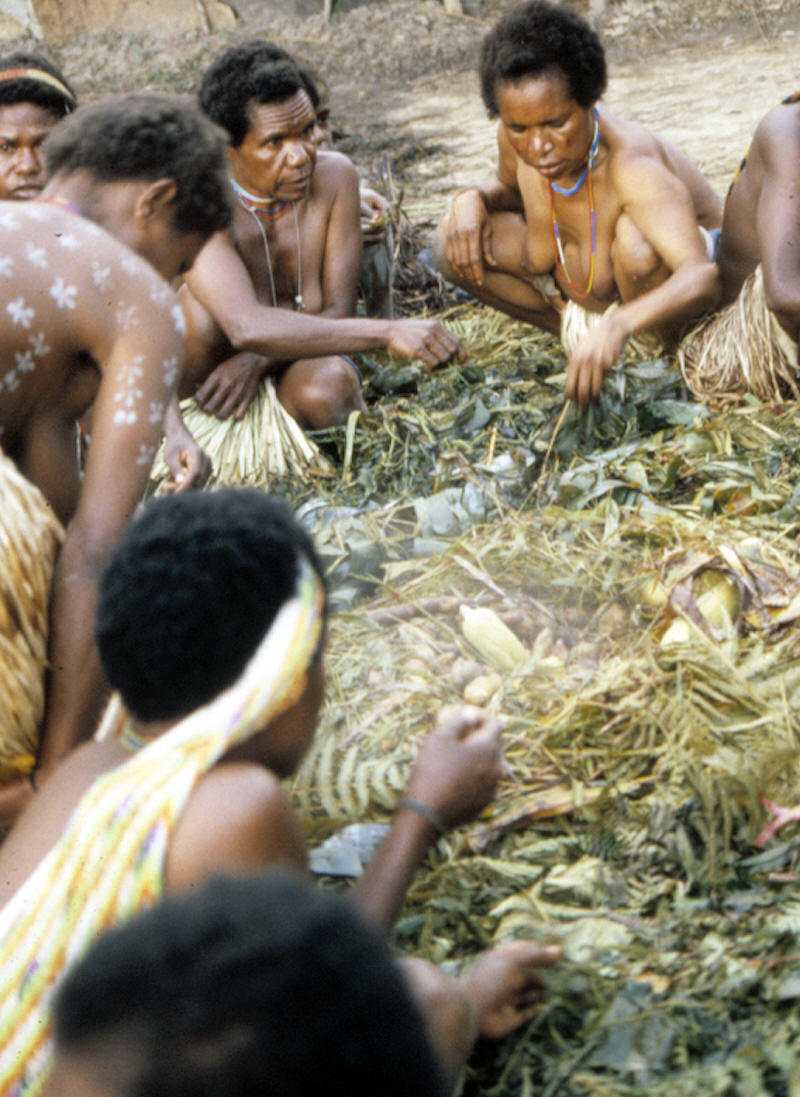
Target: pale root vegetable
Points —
{"points": [[652, 593], [482, 689], [719, 601]]}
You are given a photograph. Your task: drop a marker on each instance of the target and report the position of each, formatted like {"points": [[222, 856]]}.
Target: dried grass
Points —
{"points": [[635, 775], [265, 445], [739, 350]]}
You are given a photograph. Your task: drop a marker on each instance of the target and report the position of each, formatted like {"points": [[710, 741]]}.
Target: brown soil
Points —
{"points": [[405, 93], [702, 83]]}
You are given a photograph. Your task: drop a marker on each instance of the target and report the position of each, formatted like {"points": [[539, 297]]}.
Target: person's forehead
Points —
{"points": [[26, 115], [283, 116], [544, 93]]}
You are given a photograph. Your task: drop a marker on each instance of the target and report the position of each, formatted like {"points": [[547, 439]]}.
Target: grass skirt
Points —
{"points": [[577, 322], [266, 443], [30, 537], [741, 349]]}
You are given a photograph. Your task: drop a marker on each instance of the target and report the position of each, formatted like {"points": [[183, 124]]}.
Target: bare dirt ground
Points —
{"points": [[707, 104], [705, 95], [703, 82], [405, 92]]}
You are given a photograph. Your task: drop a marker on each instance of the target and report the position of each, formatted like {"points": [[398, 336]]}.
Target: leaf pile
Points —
{"points": [[626, 828]]}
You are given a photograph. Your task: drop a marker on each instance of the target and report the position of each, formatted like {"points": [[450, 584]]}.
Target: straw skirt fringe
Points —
{"points": [[30, 537], [266, 443], [741, 349], [577, 322]]}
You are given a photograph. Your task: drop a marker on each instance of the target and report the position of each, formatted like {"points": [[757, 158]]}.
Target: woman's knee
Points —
{"points": [[438, 246], [321, 393]]}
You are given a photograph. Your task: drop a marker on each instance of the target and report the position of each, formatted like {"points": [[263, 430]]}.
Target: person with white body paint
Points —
{"points": [[88, 319]]}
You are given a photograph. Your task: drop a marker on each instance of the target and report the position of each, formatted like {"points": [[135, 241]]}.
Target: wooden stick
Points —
{"points": [[556, 429]]}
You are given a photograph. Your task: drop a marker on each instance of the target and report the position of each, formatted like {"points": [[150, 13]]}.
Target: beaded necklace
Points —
{"points": [[65, 203], [299, 303], [579, 289], [595, 145], [272, 208], [266, 207], [131, 741]]}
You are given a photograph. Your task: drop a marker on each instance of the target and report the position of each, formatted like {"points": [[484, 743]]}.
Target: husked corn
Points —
{"points": [[493, 640]]}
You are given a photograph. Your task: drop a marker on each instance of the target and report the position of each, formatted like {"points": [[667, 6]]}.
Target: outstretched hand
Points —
{"points": [[457, 769], [375, 215], [504, 986], [593, 359], [458, 765], [424, 339], [188, 463]]}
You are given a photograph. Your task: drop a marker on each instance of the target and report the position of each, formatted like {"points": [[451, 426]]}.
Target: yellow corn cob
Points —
{"points": [[494, 641]]}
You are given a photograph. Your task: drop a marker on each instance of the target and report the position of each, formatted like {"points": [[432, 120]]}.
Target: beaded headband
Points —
{"points": [[41, 77]]}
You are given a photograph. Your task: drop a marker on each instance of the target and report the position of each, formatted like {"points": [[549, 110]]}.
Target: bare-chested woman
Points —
{"points": [[584, 207], [290, 261]]}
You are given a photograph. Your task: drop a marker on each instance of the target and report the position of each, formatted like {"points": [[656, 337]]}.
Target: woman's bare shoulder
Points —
{"points": [[237, 819]]}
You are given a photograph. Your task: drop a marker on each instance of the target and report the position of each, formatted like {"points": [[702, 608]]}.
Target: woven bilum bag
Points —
{"points": [[30, 536]]}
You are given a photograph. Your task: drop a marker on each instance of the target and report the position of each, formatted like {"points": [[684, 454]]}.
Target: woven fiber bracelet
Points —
{"points": [[428, 814]]}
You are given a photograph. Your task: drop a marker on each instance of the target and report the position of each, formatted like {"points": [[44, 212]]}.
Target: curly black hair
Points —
{"points": [[266, 985], [33, 89], [188, 593], [314, 82], [256, 71], [537, 37], [150, 136]]}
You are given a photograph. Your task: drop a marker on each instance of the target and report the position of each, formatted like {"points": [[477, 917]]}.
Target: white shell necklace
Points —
{"points": [[272, 208], [299, 303]]}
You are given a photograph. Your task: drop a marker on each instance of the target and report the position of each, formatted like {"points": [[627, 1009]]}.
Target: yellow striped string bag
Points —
{"points": [[109, 863]]}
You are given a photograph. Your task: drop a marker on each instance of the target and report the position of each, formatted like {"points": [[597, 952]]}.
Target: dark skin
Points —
{"points": [[649, 200], [501, 992], [374, 212], [75, 345], [761, 223], [227, 296], [24, 127], [278, 155], [239, 819]]}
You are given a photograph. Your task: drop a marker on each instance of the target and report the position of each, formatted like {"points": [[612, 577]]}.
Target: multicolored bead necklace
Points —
{"points": [[266, 207], [65, 203], [579, 289], [270, 208]]}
